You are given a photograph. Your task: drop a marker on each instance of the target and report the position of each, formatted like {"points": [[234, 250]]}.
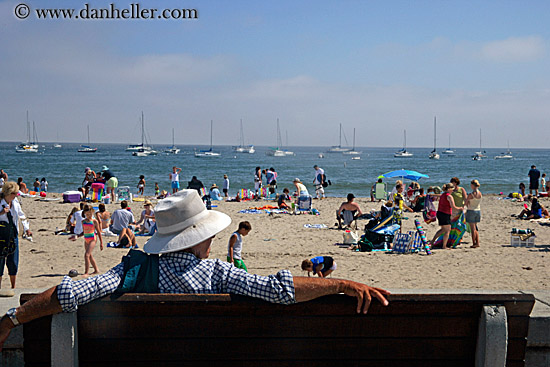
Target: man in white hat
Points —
{"points": [[184, 236]]}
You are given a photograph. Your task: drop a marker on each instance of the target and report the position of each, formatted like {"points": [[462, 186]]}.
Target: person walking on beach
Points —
{"points": [[11, 212], [473, 214], [188, 230], [90, 227], [175, 179], [235, 245], [141, 185], [444, 212], [534, 175], [319, 182], [225, 186], [257, 182]]}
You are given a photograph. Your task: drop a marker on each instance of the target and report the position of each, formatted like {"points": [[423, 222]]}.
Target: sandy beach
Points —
{"points": [[281, 241]]}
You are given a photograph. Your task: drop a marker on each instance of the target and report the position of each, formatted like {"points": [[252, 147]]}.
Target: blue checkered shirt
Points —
{"points": [[182, 272]]}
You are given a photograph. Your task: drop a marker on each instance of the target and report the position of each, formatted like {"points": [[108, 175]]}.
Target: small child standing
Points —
{"points": [[235, 245], [90, 227], [141, 185], [43, 184], [157, 189], [36, 185]]}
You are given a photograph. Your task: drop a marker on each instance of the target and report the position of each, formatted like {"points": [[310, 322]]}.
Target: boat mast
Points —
{"points": [[435, 134], [405, 140], [242, 134], [211, 125], [88, 135], [279, 140], [340, 140], [28, 129], [142, 130], [353, 139], [173, 145]]}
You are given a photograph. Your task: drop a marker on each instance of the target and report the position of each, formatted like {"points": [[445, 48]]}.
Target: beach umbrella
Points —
{"points": [[405, 174]]}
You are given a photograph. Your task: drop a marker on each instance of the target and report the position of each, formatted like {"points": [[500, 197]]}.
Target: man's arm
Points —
{"points": [[44, 304], [307, 288]]}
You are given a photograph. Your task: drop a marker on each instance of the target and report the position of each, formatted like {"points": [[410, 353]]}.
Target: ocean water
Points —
{"points": [[64, 167]]}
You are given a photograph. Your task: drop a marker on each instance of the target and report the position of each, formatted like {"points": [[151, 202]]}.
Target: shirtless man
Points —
{"points": [[351, 206]]}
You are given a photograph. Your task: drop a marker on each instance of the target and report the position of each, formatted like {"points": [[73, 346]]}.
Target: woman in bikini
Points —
{"points": [[103, 217], [90, 225]]}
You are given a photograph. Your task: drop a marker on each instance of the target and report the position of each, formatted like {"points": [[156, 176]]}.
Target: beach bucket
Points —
{"points": [[106, 199]]}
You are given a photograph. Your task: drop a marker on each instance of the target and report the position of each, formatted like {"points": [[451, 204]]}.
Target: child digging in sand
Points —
{"points": [[90, 225], [235, 245]]}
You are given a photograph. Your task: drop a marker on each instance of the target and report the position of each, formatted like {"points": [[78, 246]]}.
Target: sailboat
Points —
{"points": [[287, 152], [277, 152], [449, 151], [481, 154], [173, 149], [57, 145], [352, 151], [209, 152], [28, 146], [403, 152], [87, 148], [506, 155], [338, 148], [143, 149], [434, 154], [241, 148]]}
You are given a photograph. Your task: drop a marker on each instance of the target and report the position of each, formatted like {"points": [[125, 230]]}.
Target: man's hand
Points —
{"points": [[310, 288], [364, 294], [5, 328]]}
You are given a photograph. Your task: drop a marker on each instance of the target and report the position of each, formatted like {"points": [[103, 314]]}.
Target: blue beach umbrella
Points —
{"points": [[405, 174]]}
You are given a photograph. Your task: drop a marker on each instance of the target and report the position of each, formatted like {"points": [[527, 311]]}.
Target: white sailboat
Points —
{"points": [[29, 146], [241, 148], [287, 152], [144, 149], [277, 152], [449, 151], [210, 152], [173, 149], [481, 154], [57, 145], [87, 148], [506, 155], [403, 152], [338, 148], [434, 154], [352, 151]]}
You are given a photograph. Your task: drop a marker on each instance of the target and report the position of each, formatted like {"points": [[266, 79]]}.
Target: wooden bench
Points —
{"points": [[225, 330]]}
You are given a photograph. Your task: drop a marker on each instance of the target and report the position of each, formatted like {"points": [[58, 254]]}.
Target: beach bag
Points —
{"points": [[350, 238], [140, 274], [8, 233], [364, 244]]}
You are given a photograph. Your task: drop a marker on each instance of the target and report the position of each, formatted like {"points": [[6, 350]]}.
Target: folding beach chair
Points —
{"points": [[123, 193], [349, 218], [407, 243], [304, 204], [380, 191], [97, 191]]}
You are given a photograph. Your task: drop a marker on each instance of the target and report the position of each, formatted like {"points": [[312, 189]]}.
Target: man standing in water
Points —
{"points": [[534, 175]]}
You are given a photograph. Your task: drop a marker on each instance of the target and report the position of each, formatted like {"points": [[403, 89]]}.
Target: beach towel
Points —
{"points": [[317, 226], [458, 228]]}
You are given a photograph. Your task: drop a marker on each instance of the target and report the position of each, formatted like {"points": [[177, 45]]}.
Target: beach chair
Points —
{"points": [[243, 193], [123, 193], [97, 191], [380, 191], [349, 218], [304, 204], [407, 243]]}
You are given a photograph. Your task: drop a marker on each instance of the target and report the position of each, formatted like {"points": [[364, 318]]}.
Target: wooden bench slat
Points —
{"points": [[275, 349], [237, 325]]}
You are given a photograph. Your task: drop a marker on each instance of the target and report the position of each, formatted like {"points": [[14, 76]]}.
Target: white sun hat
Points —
{"points": [[183, 222]]}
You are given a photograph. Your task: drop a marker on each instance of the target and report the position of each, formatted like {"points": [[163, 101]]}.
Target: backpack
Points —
{"points": [[8, 233], [141, 273]]}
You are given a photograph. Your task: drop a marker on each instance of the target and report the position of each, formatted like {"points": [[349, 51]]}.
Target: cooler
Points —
{"points": [[71, 197], [97, 191]]}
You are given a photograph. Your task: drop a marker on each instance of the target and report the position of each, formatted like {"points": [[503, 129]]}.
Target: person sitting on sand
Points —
{"points": [[121, 218], [301, 190], [215, 193], [323, 266], [537, 211], [69, 225], [22, 186], [188, 230], [522, 189], [348, 211], [103, 217], [147, 219], [282, 197]]}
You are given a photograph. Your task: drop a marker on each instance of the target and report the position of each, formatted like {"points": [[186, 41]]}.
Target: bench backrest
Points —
{"points": [[227, 330]]}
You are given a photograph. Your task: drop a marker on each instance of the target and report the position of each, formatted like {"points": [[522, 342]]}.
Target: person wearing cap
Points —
{"points": [[301, 190], [215, 193], [89, 178], [147, 218], [319, 181], [348, 211], [110, 181], [185, 233], [534, 175]]}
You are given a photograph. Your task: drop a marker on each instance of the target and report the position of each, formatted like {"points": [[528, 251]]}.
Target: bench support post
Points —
{"points": [[492, 339], [64, 340]]}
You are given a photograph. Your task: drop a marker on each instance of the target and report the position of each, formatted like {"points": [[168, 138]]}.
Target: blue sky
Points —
{"points": [[379, 67]]}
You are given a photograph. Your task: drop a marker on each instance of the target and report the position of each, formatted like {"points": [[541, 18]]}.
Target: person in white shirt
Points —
{"points": [[175, 179], [12, 208], [318, 181], [225, 186]]}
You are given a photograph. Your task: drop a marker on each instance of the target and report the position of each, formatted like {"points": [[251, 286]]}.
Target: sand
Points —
{"points": [[281, 242]]}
